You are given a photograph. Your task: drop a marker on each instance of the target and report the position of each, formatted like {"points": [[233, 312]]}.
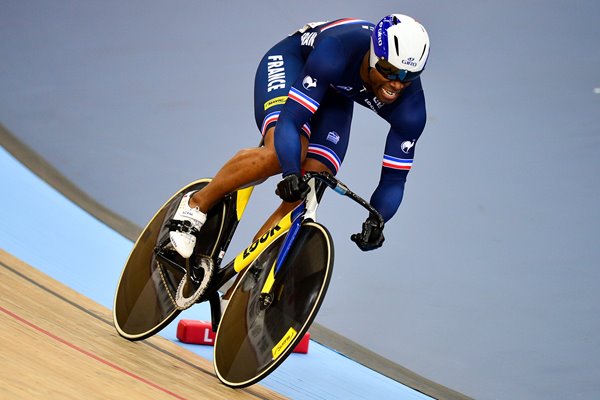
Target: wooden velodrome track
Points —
{"points": [[57, 344]]}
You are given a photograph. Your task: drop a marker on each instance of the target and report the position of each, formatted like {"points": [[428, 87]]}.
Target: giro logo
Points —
{"points": [[309, 82], [406, 146], [409, 61]]}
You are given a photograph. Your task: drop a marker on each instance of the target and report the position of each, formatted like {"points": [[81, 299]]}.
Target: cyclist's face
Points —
{"points": [[386, 91]]}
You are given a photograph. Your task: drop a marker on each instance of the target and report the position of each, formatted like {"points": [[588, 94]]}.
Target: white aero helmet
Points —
{"points": [[399, 47]]}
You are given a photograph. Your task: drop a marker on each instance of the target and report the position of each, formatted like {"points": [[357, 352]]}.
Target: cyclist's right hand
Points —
{"points": [[292, 188], [371, 237]]}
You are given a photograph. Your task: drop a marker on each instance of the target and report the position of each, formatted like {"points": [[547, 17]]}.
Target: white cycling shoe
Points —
{"points": [[184, 241]]}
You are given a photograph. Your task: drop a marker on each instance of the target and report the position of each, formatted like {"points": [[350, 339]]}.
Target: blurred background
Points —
{"points": [[489, 279]]}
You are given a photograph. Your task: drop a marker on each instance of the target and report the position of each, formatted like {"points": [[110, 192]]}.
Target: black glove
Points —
{"points": [[292, 188], [371, 237]]}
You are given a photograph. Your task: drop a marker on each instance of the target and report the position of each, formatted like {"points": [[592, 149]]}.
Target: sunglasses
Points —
{"points": [[392, 73]]}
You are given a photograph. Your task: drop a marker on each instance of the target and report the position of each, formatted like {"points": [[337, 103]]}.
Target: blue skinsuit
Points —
{"points": [[307, 84]]}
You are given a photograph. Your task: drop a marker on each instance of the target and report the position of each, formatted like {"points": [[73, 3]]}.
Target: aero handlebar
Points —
{"points": [[342, 189]]}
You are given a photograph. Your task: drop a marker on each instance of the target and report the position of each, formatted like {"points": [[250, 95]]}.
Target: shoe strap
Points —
{"points": [[181, 226]]}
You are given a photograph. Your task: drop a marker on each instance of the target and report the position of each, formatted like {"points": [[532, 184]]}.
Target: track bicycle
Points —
{"points": [[285, 275]]}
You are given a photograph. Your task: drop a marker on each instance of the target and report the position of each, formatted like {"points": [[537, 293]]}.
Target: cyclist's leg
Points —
{"points": [[247, 166], [276, 72]]}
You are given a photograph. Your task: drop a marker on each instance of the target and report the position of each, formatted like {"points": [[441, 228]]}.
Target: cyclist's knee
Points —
{"points": [[310, 164]]}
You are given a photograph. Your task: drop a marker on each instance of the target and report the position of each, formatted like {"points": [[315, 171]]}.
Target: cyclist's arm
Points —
{"points": [[408, 123], [323, 64]]}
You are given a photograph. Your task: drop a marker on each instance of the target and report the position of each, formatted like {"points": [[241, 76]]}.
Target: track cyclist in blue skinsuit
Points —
{"points": [[305, 90]]}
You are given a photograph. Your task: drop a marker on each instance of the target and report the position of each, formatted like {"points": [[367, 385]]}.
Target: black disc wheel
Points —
{"points": [[266, 318], [147, 292]]}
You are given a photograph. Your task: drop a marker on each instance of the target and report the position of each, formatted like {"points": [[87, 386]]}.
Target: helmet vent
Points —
{"points": [[397, 47]]}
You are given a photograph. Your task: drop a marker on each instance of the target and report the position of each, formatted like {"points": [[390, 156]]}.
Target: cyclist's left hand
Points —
{"points": [[371, 237], [292, 188]]}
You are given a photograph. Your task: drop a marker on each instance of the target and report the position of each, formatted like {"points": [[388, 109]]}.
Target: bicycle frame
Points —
{"points": [[290, 224], [150, 278]]}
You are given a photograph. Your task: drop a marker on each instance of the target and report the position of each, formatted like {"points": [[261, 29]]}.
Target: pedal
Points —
{"points": [[200, 332]]}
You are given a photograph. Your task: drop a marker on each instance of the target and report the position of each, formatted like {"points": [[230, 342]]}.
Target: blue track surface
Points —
{"points": [[49, 232]]}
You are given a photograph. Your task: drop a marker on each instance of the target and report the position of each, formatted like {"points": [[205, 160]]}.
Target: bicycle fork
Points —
{"points": [[305, 210]]}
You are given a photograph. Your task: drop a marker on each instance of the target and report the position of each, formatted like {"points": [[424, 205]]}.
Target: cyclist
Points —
{"points": [[305, 89]]}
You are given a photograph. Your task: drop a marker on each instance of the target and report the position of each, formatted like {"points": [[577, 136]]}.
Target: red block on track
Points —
{"points": [[302, 347], [200, 332], [195, 332]]}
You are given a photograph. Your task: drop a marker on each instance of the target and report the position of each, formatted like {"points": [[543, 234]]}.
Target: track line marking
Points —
{"points": [[89, 354]]}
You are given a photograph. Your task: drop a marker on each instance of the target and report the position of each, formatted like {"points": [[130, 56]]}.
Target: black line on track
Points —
{"points": [[108, 322]]}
